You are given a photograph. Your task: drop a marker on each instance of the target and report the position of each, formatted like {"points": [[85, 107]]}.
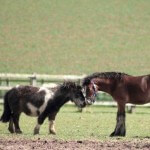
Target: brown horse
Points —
{"points": [[123, 88]]}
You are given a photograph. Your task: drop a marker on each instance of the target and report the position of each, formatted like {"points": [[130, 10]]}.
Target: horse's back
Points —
{"points": [[138, 89]]}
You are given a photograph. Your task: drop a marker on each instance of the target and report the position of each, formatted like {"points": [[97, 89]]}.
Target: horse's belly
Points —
{"points": [[139, 99]]}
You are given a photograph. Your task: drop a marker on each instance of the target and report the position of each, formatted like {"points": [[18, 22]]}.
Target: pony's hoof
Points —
{"points": [[18, 131], [36, 131], [52, 132], [11, 130]]}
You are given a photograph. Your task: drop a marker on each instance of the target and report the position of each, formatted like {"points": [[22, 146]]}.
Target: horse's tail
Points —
{"points": [[7, 111]]}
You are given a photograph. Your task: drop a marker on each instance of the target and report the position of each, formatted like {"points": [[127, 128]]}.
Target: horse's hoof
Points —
{"points": [[52, 132], [112, 134], [116, 134]]}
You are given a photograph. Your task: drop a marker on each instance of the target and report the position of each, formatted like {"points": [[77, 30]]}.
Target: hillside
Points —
{"points": [[74, 36]]}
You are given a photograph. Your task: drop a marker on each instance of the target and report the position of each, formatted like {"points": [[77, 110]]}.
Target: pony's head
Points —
{"points": [[89, 89], [75, 93]]}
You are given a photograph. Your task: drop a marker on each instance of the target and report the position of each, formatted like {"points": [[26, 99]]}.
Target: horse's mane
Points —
{"points": [[103, 75]]}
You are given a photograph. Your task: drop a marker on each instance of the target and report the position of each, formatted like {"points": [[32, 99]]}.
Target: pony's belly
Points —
{"points": [[32, 110], [36, 111], [31, 114]]}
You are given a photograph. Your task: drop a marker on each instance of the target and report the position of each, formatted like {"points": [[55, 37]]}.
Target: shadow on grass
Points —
{"points": [[89, 112], [103, 112], [141, 137], [142, 113]]}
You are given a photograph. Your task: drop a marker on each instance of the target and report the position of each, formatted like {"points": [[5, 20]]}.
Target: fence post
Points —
{"points": [[0, 90], [7, 82], [33, 81], [130, 108]]}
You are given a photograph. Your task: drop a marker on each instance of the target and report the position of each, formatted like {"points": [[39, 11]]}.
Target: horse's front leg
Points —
{"points": [[51, 118], [120, 129], [40, 121]]}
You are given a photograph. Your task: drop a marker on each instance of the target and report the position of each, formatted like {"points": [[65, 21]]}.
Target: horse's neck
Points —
{"points": [[105, 85]]}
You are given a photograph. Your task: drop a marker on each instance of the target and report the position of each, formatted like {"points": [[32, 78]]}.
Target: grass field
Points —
{"points": [[74, 36], [95, 124]]}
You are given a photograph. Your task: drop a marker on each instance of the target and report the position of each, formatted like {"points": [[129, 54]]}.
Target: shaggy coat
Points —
{"points": [[39, 102]]}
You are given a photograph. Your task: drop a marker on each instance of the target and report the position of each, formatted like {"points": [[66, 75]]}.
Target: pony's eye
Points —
{"points": [[78, 94]]}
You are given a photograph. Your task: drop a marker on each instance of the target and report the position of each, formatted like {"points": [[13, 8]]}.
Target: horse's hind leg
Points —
{"points": [[16, 123], [11, 126], [120, 129]]}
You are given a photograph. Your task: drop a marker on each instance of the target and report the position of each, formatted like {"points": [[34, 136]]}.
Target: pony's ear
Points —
{"points": [[86, 82], [79, 87]]}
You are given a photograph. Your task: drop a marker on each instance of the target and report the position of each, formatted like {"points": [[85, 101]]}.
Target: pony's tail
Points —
{"points": [[7, 111]]}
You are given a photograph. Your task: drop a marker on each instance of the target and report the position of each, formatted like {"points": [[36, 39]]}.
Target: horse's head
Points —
{"points": [[75, 94], [89, 90]]}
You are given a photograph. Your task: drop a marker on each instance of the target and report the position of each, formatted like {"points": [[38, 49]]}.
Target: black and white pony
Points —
{"points": [[39, 102]]}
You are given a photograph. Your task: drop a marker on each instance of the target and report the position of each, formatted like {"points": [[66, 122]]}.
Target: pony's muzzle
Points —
{"points": [[89, 101], [82, 105]]}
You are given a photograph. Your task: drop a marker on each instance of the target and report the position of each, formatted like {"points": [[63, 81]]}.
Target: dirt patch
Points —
{"points": [[41, 144]]}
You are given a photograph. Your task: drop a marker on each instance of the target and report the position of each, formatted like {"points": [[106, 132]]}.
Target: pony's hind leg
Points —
{"points": [[11, 126], [40, 121], [16, 123], [37, 129]]}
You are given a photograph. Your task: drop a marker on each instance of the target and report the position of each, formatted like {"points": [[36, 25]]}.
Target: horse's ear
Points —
{"points": [[95, 86]]}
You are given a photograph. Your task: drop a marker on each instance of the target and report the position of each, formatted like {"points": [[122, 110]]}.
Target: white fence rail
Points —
{"points": [[6, 80], [32, 79]]}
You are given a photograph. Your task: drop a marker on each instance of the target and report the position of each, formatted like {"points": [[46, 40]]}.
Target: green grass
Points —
{"points": [[94, 124], [74, 36]]}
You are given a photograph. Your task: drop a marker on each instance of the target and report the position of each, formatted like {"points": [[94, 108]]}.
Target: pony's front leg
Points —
{"points": [[51, 118], [52, 127], [120, 129], [40, 121]]}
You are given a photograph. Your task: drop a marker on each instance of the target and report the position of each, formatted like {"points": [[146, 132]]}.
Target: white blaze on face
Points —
{"points": [[48, 95]]}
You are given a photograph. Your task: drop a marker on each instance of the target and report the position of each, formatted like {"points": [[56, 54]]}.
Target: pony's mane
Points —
{"points": [[103, 75], [68, 85]]}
